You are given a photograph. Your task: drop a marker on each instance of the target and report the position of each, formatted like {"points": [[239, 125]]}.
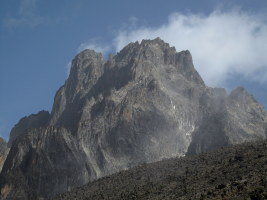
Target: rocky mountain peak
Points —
{"points": [[144, 104], [148, 58], [85, 70], [151, 60], [241, 94], [242, 98], [157, 43], [84, 61]]}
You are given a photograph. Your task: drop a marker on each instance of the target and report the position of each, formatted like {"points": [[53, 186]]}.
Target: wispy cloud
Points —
{"points": [[27, 7], [223, 44], [68, 67], [26, 15], [95, 44]]}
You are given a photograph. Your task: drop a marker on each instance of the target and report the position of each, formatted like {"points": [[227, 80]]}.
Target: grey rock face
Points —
{"points": [[87, 68], [142, 105], [232, 119], [3, 152], [38, 120]]}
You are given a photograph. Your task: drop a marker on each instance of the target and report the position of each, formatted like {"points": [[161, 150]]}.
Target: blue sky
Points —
{"points": [[39, 38]]}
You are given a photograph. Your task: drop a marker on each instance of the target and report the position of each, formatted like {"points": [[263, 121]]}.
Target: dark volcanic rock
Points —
{"points": [[38, 120], [52, 156], [144, 104], [237, 172], [3, 152]]}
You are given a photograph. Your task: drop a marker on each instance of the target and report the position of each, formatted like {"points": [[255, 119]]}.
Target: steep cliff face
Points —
{"points": [[3, 152], [232, 119], [142, 105], [87, 68], [38, 120], [246, 118]]}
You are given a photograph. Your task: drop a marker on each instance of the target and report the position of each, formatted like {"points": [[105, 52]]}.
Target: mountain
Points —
{"points": [[3, 152], [232, 119], [38, 120], [145, 104], [236, 172]]}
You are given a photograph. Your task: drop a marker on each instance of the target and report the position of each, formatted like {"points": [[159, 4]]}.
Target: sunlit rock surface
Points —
{"points": [[3, 152]]}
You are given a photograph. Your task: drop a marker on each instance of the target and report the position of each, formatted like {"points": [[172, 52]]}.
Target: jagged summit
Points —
{"points": [[144, 104], [241, 94], [150, 61]]}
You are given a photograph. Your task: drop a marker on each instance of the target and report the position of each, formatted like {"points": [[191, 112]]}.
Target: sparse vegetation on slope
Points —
{"points": [[237, 172]]}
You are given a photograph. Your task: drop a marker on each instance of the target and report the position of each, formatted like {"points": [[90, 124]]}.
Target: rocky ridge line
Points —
{"points": [[144, 104]]}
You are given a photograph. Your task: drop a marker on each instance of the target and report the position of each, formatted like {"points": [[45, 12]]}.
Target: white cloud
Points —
{"points": [[27, 7], [96, 45], [68, 66], [26, 15], [222, 44]]}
